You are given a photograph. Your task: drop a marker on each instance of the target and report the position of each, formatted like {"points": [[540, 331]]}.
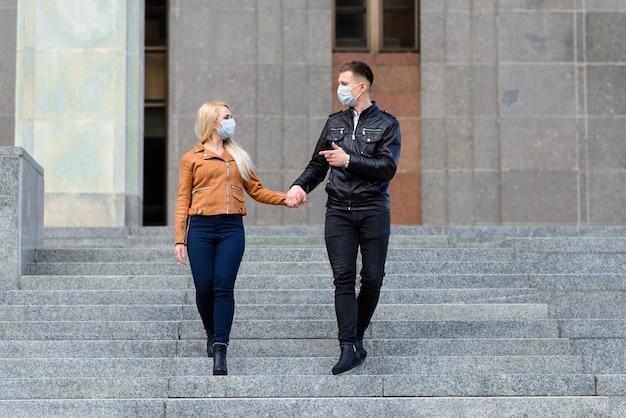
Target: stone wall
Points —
{"points": [[8, 22], [523, 112], [396, 89], [271, 62], [21, 213], [79, 102]]}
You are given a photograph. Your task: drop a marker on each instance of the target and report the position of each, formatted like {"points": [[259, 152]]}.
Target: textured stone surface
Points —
{"points": [[543, 335], [79, 72], [21, 213], [558, 100], [8, 43]]}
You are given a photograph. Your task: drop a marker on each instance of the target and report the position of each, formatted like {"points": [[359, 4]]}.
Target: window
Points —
{"points": [[155, 113], [376, 25]]}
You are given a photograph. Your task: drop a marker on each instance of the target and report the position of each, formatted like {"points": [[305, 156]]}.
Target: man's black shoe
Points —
{"points": [[348, 359]]}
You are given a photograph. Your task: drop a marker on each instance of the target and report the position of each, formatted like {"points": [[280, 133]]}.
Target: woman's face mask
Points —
{"points": [[228, 128], [344, 94]]}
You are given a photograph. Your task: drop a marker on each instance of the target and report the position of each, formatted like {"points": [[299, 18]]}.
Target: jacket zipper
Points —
{"points": [[340, 130], [353, 136], [227, 187], [182, 231], [365, 130], [193, 192]]}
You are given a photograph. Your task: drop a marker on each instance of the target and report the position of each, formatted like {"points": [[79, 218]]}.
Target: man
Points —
{"points": [[361, 146]]}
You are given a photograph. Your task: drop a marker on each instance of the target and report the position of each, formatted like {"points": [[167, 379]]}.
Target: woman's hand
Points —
{"points": [[180, 250], [296, 196]]}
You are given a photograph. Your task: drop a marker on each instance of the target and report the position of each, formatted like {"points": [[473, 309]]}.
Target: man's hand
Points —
{"points": [[336, 157], [296, 197]]}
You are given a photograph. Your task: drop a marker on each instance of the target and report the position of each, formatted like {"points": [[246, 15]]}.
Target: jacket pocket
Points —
{"points": [[237, 193], [335, 135], [369, 141], [198, 190]]}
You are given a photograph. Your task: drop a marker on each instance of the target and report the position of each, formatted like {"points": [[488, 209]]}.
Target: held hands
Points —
{"points": [[296, 197], [336, 157]]}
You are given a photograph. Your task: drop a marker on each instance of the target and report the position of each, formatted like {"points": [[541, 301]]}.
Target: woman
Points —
{"points": [[209, 211]]}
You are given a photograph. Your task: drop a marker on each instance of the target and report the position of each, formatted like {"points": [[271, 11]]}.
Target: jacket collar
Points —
{"points": [[225, 155], [366, 110]]}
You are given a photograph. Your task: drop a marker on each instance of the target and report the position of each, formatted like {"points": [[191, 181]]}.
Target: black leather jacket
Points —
{"points": [[374, 151]]}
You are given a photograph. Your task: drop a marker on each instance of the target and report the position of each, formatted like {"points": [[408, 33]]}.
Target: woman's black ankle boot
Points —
{"points": [[219, 359], [209, 344]]}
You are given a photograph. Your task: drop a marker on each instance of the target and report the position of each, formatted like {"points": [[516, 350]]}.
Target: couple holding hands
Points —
{"points": [[361, 147]]}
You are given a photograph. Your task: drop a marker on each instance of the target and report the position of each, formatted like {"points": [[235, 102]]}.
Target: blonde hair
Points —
{"points": [[207, 116]]}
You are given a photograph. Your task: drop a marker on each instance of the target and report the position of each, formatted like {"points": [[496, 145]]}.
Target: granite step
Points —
{"points": [[137, 312], [290, 329], [609, 245], [362, 406], [307, 386], [288, 241], [472, 321], [255, 296], [283, 281], [33, 368], [545, 282], [279, 255], [288, 347], [523, 264]]}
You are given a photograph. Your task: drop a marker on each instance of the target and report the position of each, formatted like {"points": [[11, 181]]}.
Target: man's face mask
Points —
{"points": [[344, 94]]}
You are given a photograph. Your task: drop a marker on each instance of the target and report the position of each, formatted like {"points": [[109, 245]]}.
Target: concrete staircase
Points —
{"points": [[472, 322]]}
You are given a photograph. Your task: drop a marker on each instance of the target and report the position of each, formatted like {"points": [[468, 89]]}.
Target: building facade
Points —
{"points": [[512, 112]]}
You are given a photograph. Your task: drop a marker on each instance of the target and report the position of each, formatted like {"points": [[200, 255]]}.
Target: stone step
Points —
{"points": [[269, 254], [307, 329], [585, 304], [472, 321], [566, 282], [469, 231], [307, 386], [608, 245], [269, 268], [167, 241], [548, 282], [254, 296], [288, 347], [399, 329], [523, 264], [442, 312], [302, 282], [33, 368], [363, 406]]}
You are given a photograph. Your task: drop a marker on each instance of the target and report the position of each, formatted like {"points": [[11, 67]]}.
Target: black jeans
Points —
{"points": [[345, 232]]}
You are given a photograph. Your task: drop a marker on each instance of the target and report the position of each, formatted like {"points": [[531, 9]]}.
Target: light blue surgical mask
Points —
{"points": [[228, 128], [344, 94]]}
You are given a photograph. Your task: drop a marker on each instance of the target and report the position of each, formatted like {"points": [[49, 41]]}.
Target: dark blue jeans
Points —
{"points": [[345, 232], [215, 245]]}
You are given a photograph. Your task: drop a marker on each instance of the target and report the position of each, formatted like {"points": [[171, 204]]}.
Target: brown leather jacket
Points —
{"points": [[209, 184]]}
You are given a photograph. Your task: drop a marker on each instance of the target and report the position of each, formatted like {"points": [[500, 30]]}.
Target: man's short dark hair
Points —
{"points": [[358, 68]]}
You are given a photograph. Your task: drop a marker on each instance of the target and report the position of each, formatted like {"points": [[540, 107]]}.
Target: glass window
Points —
{"points": [[376, 25], [350, 25], [156, 22], [155, 88], [399, 24]]}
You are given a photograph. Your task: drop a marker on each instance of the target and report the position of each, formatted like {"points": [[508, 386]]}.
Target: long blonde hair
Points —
{"points": [[207, 116]]}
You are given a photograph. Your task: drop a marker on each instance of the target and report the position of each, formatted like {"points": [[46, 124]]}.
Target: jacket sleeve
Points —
{"points": [[261, 194], [183, 201], [316, 169], [383, 167]]}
